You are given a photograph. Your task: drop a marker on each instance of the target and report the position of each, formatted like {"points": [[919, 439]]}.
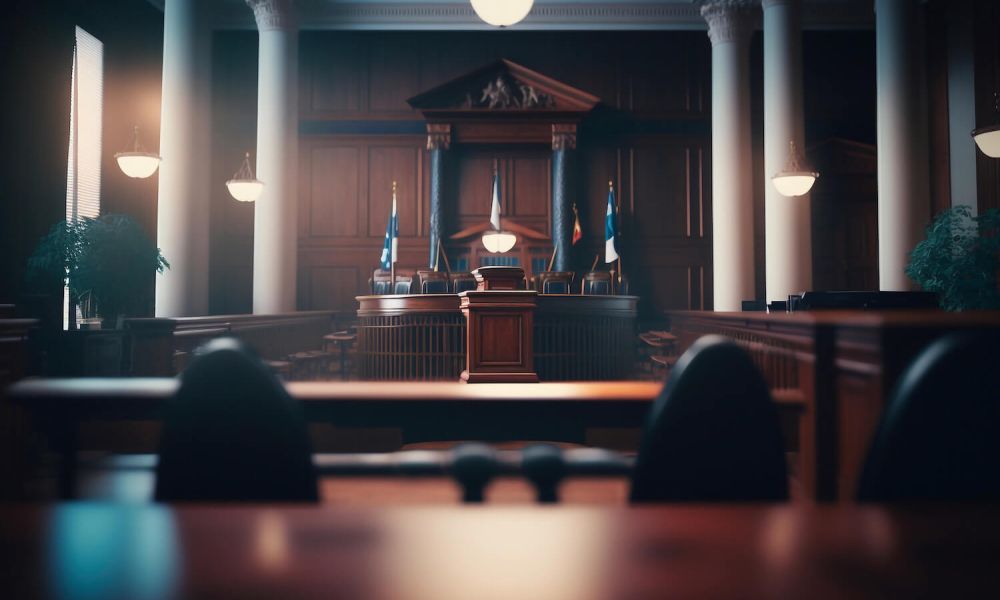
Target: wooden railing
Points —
{"points": [[419, 338], [163, 346], [833, 371], [585, 337], [423, 337]]}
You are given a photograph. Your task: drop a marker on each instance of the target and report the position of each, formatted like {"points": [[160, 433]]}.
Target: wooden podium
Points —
{"points": [[499, 322]]}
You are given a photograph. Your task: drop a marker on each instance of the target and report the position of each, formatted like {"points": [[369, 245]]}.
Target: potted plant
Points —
{"points": [[107, 263], [959, 259]]}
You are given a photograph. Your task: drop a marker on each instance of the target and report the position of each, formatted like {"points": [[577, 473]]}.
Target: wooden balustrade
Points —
{"points": [[163, 346], [422, 337]]}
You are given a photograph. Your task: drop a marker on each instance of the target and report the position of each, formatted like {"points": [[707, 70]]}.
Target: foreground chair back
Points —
{"points": [[939, 438], [713, 434], [232, 433]]}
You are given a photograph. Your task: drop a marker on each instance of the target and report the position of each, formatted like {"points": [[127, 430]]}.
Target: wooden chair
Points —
{"points": [[597, 283], [232, 433], [939, 438], [381, 283], [553, 282], [433, 282], [462, 282], [709, 437]]}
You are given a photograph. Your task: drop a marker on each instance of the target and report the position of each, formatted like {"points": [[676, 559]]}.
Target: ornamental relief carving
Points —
{"points": [[507, 93]]}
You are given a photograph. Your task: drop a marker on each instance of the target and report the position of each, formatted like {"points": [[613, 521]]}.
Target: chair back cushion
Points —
{"points": [[713, 434], [939, 437], [232, 433]]}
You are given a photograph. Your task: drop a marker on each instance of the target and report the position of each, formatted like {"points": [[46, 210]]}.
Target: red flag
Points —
{"points": [[577, 230]]}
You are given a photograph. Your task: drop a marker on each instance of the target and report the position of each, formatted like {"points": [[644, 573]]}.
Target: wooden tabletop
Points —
{"points": [[462, 553]]}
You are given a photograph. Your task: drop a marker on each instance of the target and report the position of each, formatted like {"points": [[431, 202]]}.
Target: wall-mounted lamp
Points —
{"points": [[988, 138]]}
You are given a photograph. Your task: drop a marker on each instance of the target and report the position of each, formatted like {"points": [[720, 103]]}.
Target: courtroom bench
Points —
{"points": [[838, 367]]}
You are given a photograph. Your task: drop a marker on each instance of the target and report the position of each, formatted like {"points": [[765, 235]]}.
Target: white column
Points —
{"points": [[275, 244], [962, 103], [787, 221], [903, 184], [730, 24], [182, 209]]}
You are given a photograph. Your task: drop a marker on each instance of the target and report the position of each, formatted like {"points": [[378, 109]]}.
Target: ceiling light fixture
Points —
{"points": [[988, 138], [137, 163], [502, 13], [244, 186], [795, 179]]}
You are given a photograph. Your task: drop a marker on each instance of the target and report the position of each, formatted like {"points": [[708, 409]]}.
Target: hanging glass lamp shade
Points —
{"points": [[988, 140], [499, 242], [137, 163], [502, 13], [794, 180], [244, 186]]}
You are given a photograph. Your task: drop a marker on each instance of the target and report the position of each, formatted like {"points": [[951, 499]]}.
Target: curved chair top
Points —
{"points": [[939, 438], [713, 434], [232, 433]]}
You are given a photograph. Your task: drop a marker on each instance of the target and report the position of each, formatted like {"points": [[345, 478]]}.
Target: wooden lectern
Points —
{"points": [[499, 319]]}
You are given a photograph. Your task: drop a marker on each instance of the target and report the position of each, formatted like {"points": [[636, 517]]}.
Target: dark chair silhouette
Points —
{"points": [[939, 438], [433, 282], [232, 433], [554, 282], [597, 283], [713, 434], [462, 282]]}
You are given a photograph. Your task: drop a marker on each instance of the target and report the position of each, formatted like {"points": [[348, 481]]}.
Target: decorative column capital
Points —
{"points": [[438, 136], [729, 20], [273, 14], [564, 136]]}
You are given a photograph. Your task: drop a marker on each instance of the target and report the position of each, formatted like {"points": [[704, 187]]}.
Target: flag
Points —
{"points": [[577, 230], [610, 252], [390, 247], [495, 209]]}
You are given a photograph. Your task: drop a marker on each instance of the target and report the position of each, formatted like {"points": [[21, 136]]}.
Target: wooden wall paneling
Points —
{"points": [[403, 165], [336, 79], [393, 74], [662, 206], [530, 196], [474, 170], [335, 287], [333, 191]]}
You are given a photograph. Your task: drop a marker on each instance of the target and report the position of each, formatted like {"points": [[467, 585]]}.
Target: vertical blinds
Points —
{"points": [[83, 174]]}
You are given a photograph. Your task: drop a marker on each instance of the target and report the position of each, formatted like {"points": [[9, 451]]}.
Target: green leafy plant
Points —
{"points": [[107, 263], [959, 259]]}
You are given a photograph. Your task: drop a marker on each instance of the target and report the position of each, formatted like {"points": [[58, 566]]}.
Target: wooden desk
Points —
{"points": [[425, 411], [839, 365], [78, 551]]}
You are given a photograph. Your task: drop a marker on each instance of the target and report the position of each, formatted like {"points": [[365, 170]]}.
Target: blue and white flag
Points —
{"points": [[610, 252], [391, 243], [495, 209]]}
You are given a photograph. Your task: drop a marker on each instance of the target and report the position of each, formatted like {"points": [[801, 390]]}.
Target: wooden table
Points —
{"points": [[82, 551], [423, 411]]}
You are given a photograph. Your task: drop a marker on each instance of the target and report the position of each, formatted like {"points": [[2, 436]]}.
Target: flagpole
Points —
{"points": [[392, 238]]}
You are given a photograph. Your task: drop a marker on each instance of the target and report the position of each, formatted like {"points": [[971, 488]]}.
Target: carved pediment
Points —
{"points": [[503, 86]]}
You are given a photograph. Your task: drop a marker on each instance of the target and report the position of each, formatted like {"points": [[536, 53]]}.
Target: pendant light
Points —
{"points": [[244, 186], [988, 138], [137, 163], [502, 13], [795, 179], [499, 242]]}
